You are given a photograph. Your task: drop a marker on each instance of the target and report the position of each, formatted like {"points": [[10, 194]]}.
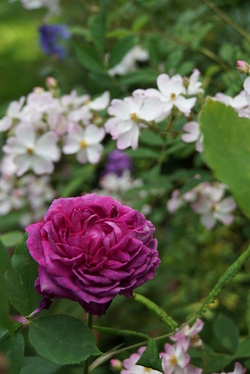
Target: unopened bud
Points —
{"points": [[185, 82], [115, 364], [242, 67], [51, 82]]}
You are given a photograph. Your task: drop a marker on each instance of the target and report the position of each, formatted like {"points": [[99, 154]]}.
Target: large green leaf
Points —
{"points": [[62, 339], [13, 347], [20, 281], [226, 332], [227, 150], [38, 365]]}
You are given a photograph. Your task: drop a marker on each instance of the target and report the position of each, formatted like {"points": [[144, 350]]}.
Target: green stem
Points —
{"points": [[89, 324], [111, 331], [227, 19]]}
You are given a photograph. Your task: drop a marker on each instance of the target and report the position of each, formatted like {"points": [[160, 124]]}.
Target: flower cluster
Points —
{"points": [[146, 107], [90, 249], [208, 201], [175, 358]]}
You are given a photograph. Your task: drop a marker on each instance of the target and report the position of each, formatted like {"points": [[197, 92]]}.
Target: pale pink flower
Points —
{"points": [[193, 134], [191, 334], [85, 143], [238, 369], [128, 63], [32, 152], [194, 86], [130, 366], [246, 86], [175, 202], [11, 196], [130, 116], [238, 102], [175, 358], [114, 185], [13, 113]]}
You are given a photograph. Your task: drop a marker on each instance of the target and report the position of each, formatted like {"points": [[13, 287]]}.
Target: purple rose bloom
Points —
{"points": [[91, 248], [117, 162], [50, 38]]}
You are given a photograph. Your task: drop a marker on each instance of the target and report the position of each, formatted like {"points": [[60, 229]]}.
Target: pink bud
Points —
{"points": [[116, 364], [51, 82], [242, 67]]}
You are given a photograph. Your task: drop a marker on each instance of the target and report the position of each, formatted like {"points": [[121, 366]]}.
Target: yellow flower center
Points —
{"points": [[83, 144], [147, 369], [173, 360], [30, 150], [173, 96], [134, 117]]}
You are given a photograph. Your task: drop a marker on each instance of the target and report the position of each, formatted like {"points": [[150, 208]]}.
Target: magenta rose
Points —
{"points": [[91, 248]]}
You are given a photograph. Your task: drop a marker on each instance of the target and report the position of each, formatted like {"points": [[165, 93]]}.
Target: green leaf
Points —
{"points": [[141, 76], [5, 322], [226, 149], [98, 30], [120, 49], [20, 281], [140, 22], [150, 357], [226, 332], [10, 239], [119, 33], [89, 58], [13, 347], [151, 138], [38, 365], [62, 339]]}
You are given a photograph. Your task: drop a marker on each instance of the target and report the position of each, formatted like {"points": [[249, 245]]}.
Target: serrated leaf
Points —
{"points": [[21, 280], [38, 365], [62, 339], [226, 149], [98, 31], [150, 357], [14, 350], [119, 50], [89, 58], [226, 332]]}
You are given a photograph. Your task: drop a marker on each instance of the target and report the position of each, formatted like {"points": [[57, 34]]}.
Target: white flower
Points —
{"points": [[175, 359], [193, 134], [84, 142], [238, 102], [171, 92], [13, 113], [30, 152], [129, 115], [130, 366], [128, 63], [194, 86]]}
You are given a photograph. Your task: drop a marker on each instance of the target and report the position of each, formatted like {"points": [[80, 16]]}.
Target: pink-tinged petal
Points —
{"points": [[13, 147], [196, 328], [226, 206], [203, 205], [119, 109], [111, 124], [46, 146], [93, 134], [151, 109], [246, 85], [193, 370], [72, 146], [174, 204], [100, 102], [199, 144], [164, 85], [193, 130], [25, 135], [207, 220], [5, 124], [23, 163], [41, 165], [82, 156], [185, 105], [129, 139], [94, 153], [238, 369], [224, 218]]}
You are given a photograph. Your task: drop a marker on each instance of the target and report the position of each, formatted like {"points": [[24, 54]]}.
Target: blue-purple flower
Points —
{"points": [[117, 162], [51, 37]]}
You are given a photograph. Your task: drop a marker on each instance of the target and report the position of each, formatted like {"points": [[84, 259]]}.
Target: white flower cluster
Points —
{"points": [[146, 107], [208, 201]]}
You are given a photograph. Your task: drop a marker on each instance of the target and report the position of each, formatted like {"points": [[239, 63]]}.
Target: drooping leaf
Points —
{"points": [[150, 357], [62, 339], [226, 332], [20, 281], [226, 149], [13, 347]]}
